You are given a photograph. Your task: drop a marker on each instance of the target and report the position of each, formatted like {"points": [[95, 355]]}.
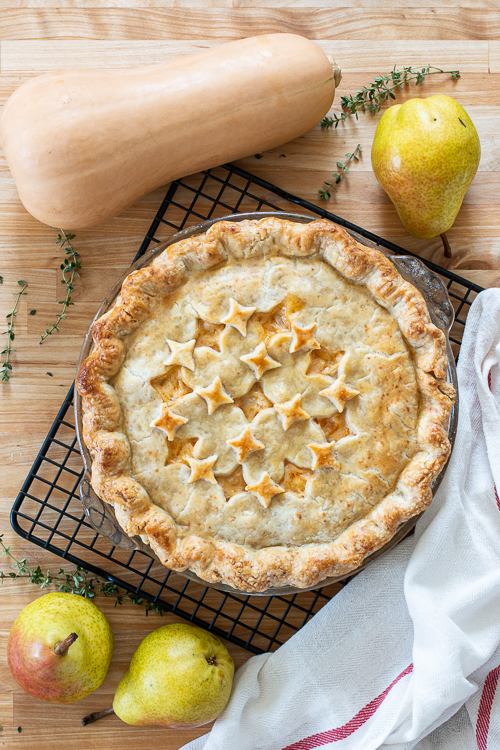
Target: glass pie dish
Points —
{"points": [[100, 514]]}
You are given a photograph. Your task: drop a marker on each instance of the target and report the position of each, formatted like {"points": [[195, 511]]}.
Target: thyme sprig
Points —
{"points": [[78, 581], [70, 266], [324, 192], [380, 90], [6, 367]]}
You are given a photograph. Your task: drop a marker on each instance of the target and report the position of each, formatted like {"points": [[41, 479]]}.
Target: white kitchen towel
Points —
{"points": [[407, 655]]}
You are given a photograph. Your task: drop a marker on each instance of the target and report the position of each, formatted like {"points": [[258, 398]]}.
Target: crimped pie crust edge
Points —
{"points": [[214, 560]]}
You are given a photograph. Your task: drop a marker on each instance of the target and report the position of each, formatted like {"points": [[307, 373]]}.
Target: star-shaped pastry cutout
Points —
{"points": [[201, 469], [181, 354], [245, 443], [238, 316], [303, 338], [214, 395], [168, 422], [291, 411], [322, 455], [338, 393], [260, 361], [265, 489]]}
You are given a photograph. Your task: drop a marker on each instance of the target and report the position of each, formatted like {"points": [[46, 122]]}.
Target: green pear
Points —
{"points": [[425, 154], [60, 647], [180, 676]]}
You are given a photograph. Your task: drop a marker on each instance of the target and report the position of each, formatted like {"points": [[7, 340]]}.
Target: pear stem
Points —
{"points": [[62, 647], [446, 244], [97, 715]]}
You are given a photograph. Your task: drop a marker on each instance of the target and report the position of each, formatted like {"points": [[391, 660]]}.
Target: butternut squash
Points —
{"points": [[83, 145]]}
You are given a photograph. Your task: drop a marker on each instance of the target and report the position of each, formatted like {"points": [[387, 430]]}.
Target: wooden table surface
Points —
{"points": [[38, 36]]}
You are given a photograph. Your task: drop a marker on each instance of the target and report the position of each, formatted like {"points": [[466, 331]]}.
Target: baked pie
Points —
{"points": [[266, 403]]}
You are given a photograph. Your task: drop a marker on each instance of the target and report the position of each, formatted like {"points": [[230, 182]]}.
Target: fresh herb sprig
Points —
{"points": [[70, 266], [78, 581], [6, 367], [380, 90], [324, 192]]}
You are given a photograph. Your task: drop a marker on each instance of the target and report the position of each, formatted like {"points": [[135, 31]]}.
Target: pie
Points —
{"points": [[266, 403]]}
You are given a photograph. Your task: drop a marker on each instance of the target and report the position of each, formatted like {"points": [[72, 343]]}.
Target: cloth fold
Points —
{"points": [[407, 656]]}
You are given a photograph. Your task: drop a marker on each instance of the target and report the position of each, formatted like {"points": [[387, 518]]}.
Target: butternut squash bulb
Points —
{"points": [[82, 145]]}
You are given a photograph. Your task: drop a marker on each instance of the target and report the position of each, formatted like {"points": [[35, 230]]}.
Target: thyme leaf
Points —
{"points": [[6, 367], [77, 581], [70, 266], [324, 192], [370, 98]]}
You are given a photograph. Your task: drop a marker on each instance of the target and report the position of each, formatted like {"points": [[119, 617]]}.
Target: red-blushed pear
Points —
{"points": [[60, 648], [180, 676]]}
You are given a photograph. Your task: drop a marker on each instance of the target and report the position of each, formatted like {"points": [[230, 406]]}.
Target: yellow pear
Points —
{"points": [[180, 676], [425, 154]]}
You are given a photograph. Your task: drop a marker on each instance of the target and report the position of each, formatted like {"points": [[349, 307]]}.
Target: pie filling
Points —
{"points": [[277, 407]]}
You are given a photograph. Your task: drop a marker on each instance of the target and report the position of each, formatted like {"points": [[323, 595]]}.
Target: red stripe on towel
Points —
{"points": [[340, 733], [485, 704]]}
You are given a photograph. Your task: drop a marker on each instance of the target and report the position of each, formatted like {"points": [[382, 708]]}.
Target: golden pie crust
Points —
{"points": [[266, 403]]}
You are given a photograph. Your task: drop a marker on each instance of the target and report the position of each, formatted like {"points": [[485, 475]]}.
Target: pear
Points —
{"points": [[60, 648], [180, 676], [425, 154]]}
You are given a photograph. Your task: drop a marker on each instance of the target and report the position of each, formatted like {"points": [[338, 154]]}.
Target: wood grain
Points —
{"points": [[181, 23], [38, 36], [40, 56], [225, 6]]}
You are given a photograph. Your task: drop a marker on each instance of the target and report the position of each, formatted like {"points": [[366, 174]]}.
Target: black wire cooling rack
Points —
{"points": [[48, 511]]}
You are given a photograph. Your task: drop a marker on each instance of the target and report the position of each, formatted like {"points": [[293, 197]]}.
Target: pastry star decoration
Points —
{"points": [[291, 411], [260, 361], [245, 443], [168, 422], [265, 489], [338, 393], [322, 455], [181, 354], [303, 338], [214, 395], [238, 316], [201, 469]]}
